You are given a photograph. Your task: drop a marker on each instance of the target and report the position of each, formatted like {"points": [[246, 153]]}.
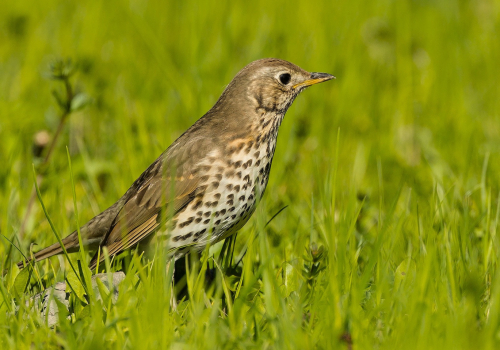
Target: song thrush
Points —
{"points": [[206, 185]]}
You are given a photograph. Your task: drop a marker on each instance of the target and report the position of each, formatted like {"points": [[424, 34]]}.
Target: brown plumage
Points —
{"points": [[205, 186]]}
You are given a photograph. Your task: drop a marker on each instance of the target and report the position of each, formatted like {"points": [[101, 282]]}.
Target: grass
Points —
{"points": [[390, 174]]}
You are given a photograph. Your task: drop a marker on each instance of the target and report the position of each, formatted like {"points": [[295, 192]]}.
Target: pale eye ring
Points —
{"points": [[285, 78]]}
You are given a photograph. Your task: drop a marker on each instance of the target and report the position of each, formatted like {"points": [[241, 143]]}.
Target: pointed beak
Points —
{"points": [[315, 78]]}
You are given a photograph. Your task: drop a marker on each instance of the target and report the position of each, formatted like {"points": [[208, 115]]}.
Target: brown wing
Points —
{"points": [[161, 191]]}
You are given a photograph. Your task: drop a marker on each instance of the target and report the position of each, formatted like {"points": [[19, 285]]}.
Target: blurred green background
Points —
{"points": [[394, 165]]}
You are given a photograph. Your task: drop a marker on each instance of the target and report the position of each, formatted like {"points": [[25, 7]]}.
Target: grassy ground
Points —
{"points": [[390, 174]]}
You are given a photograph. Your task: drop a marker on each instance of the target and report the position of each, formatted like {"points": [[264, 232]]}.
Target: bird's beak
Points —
{"points": [[315, 78]]}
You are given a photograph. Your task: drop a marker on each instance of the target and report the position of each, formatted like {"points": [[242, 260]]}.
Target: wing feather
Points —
{"points": [[159, 193]]}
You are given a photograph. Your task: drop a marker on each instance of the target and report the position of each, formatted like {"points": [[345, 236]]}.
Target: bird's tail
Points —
{"points": [[70, 243]]}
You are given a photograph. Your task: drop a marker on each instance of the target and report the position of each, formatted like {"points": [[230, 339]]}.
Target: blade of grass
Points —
{"points": [[54, 230], [85, 272]]}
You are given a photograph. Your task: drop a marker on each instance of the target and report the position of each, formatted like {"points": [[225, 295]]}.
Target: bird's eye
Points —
{"points": [[285, 78]]}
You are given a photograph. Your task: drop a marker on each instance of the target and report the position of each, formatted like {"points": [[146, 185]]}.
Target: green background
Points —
{"points": [[393, 168]]}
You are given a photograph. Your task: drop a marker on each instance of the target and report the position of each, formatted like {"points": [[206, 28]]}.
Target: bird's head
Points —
{"points": [[264, 89], [272, 84]]}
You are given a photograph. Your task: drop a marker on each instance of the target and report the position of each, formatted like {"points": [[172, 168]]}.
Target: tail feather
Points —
{"points": [[70, 243]]}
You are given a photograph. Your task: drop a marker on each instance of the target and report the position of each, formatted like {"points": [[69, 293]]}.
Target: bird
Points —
{"points": [[208, 182]]}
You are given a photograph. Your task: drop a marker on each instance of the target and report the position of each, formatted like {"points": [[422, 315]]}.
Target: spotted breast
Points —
{"points": [[236, 178]]}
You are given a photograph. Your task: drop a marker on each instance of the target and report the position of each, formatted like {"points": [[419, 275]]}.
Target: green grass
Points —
{"points": [[393, 169]]}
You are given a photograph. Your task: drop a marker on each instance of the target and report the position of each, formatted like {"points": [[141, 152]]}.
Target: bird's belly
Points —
{"points": [[235, 187]]}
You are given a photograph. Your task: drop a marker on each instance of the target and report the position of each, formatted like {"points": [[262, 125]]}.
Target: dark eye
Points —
{"points": [[285, 78]]}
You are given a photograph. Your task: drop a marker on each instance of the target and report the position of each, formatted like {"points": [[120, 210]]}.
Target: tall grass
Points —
{"points": [[390, 174]]}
